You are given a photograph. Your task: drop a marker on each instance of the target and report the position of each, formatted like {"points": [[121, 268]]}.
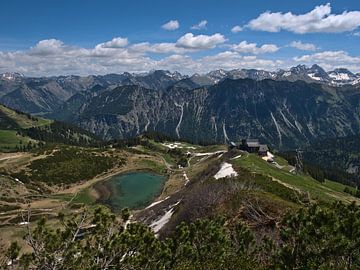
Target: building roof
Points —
{"points": [[252, 140], [252, 143]]}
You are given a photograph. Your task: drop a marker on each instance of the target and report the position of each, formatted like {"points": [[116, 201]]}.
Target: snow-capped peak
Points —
{"points": [[9, 76], [342, 75]]}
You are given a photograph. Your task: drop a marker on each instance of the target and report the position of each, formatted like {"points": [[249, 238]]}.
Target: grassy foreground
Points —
{"points": [[328, 191]]}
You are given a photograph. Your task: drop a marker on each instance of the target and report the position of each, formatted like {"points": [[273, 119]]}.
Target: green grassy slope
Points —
{"points": [[17, 129], [328, 191], [10, 140], [23, 120]]}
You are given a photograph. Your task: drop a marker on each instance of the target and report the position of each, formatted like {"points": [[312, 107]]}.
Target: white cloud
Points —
{"points": [[48, 47], [224, 60], [303, 46], [331, 60], [115, 43], [53, 57], [318, 20], [356, 34], [252, 48], [233, 60], [145, 47], [236, 29], [200, 42], [200, 25], [171, 25]]}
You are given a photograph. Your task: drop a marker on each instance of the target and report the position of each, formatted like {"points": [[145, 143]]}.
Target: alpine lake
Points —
{"points": [[133, 190]]}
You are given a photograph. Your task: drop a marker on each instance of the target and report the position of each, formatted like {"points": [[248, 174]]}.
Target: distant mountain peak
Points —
{"points": [[298, 68], [343, 70], [10, 76]]}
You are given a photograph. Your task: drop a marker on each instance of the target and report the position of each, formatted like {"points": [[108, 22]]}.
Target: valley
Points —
{"points": [[22, 190], [150, 180]]}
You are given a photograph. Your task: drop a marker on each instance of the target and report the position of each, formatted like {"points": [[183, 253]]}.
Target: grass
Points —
{"points": [[281, 161], [23, 120], [152, 165], [326, 192], [9, 139], [270, 203], [82, 197]]}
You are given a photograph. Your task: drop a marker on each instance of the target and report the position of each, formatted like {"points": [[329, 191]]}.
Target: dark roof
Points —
{"points": [[263, 148]]}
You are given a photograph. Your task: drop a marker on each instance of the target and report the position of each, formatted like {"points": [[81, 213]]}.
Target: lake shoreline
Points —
{"points": [[109, 193]]}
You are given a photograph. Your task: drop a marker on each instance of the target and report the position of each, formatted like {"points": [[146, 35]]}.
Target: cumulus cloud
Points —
{"points": [[115, 43], [236, 29], [171, 25], [53, 57], [331, 59], [201, 25], [165, 47], [185, 44], [224, 60], [233, 60], [318, 20], [252, 48], [303, 46], [48, 47], [200, 42]]}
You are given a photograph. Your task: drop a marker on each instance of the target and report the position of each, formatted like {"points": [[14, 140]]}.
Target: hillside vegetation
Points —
{"points": [[313, 238], [67, 165], [23, 132], [13, 119], [266, 216], [337, 155], [327, 191]]}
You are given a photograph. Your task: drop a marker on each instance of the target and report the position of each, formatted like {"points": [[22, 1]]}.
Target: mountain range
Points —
{"points": [[286, 109]]}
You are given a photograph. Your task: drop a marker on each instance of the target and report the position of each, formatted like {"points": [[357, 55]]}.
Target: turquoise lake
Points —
{"points": [[132, 190]]}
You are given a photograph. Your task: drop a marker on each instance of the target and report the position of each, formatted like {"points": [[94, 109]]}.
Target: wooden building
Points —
{"points": [[254, 146]]}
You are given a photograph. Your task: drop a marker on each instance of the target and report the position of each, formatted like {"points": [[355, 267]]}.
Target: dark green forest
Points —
{"points": [[317, 237]]}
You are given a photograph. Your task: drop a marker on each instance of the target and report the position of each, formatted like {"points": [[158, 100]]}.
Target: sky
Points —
{"points": [[82, 37]]}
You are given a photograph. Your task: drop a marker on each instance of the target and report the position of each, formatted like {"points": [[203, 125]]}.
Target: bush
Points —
{"points": [[68, 165]]}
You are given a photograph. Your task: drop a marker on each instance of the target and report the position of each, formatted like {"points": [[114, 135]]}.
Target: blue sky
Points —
{"points": [[41, 38]]}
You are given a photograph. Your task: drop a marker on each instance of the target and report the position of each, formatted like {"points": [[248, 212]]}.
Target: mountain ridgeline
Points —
{"points": [[286, 109], [282, 114]]}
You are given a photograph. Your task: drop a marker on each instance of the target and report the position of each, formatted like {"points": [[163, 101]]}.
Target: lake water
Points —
{"points": [[133, 190]]}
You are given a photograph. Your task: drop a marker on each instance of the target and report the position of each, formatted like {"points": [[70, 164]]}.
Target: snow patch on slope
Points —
{"points": [[313, 76], [226, 170], [340, 76], [157, 225], [157, 202]]}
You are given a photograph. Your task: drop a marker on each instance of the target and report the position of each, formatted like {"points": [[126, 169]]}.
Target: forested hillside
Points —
{"points": [[21, 131]]}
